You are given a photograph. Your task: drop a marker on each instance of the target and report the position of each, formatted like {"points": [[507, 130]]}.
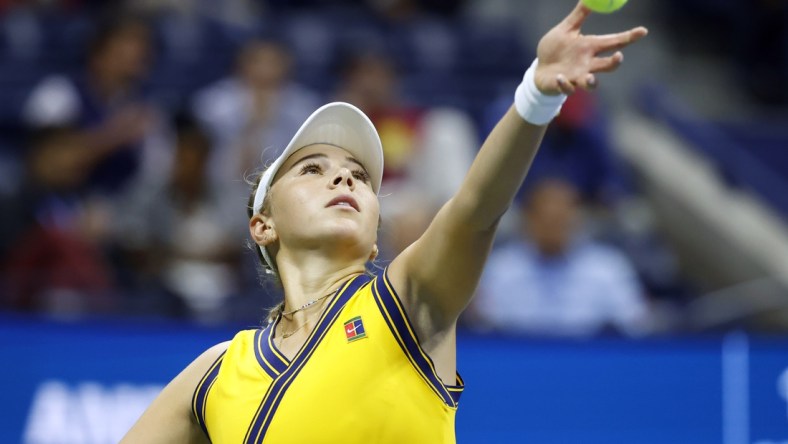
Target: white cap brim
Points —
{"points": [[339, 124]]}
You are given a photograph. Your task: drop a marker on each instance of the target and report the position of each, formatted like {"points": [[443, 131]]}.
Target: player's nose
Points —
{"points": [[345, 176]]}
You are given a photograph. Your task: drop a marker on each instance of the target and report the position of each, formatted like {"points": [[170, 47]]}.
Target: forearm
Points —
{"points": [[498, 171], [442, 268]]}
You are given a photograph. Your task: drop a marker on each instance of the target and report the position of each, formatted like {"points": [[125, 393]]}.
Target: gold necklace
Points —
{"points": [[286, 335], [307, 305]]}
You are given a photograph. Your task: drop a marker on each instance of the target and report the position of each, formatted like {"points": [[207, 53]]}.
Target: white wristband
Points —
{"points": [[533, 105]]}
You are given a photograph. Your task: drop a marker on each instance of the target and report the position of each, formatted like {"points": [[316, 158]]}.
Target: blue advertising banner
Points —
{"points": [[88, 381]]}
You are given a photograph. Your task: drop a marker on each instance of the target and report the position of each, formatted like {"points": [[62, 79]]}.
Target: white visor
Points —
{"points": [[339, 124]]}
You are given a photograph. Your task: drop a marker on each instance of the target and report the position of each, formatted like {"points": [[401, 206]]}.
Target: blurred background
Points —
{"points": [[638, 289]]}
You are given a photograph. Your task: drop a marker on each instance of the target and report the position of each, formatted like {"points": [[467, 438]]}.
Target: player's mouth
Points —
{"points": [[344, 201]]}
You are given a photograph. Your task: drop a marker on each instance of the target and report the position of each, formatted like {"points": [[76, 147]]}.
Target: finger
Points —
{"points": [[612, 42], [606, 64], [578, 15], [589, 82], [564, 84]]}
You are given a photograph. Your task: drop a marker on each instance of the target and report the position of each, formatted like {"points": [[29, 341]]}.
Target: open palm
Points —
{"points": [[568, 59]]}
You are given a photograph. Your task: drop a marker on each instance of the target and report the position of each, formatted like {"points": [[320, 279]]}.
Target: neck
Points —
{"points": [[310, 276]]}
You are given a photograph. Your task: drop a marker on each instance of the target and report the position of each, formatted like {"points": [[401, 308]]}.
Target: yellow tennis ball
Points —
{"points": [[604, 6]]}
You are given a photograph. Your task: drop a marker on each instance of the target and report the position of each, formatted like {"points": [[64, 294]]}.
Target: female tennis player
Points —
{"points": [[351, 357]]}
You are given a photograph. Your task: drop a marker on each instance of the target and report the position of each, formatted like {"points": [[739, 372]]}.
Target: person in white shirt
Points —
{"points": [[251, 114], [554, 282]]}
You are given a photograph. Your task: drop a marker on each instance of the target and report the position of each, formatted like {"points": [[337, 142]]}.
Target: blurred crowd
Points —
{"points": [[129, 129]]}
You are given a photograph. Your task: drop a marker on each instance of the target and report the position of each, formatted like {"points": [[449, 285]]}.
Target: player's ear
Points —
{"points": [[374, 254], [262, 230]]}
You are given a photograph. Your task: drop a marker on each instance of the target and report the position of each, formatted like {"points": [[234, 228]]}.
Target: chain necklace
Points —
{"points": [[307, 305], [286, 335]]}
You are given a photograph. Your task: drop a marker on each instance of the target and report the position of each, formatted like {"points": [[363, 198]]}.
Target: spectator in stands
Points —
{"points": [[183, 236], [51, 258], [427, 151], [106, 103], [251, 114], [554, 282]]}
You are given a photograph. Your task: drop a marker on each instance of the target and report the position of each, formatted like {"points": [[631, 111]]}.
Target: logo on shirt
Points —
{"points": [[354, 329]]}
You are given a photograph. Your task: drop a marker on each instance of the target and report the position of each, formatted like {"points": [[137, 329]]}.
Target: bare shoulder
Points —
{"points": [[203, 362], [169, 418], [188, 379]]}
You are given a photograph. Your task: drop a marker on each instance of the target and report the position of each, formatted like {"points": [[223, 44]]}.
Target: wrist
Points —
{"points": [[533, 105]]}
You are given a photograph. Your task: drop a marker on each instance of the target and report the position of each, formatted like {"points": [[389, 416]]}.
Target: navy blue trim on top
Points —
{"points": [[277, 389], [270, 362], [456, 390], [201, 393], [396, 318]]}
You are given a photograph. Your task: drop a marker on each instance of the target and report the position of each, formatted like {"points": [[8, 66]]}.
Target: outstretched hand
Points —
{"points": [[568, 59]]}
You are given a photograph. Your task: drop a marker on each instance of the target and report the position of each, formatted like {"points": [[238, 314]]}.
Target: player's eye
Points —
{"points": [[311, 168], [361, 175]]}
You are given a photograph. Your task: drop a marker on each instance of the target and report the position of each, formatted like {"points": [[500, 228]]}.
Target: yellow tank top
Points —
{"points": [[360, 377]]}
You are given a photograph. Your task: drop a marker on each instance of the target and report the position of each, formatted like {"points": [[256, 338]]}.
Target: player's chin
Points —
{"points": [[344, 226], [349, 217]]}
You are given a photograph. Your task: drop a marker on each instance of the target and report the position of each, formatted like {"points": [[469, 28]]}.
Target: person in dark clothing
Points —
{"points": [[50, 259]]}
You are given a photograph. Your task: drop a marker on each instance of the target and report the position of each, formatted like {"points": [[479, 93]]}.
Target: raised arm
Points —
{"points": [[437, 275]]}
